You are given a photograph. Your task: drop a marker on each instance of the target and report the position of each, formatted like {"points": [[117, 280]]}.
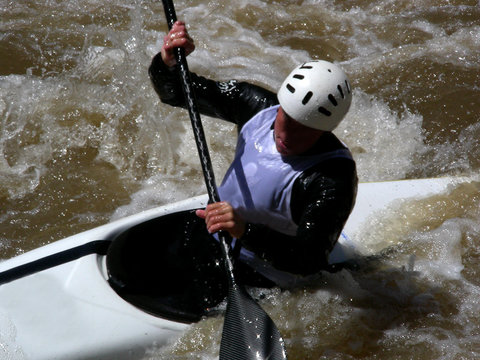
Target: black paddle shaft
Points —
{"points": [[248, 332], [199, 134], [192, 109]]}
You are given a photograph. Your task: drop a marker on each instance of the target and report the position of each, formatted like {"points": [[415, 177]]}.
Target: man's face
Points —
{"points": [[291, 137]]}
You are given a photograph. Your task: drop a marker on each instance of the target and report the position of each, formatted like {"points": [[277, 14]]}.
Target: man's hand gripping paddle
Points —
{"points": [[248, 332]]}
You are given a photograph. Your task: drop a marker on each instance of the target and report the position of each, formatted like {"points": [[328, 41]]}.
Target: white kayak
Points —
{"points": [[59, 302]]}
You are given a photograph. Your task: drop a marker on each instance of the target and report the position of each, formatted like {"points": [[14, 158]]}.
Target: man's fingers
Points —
{"points": [[220, 216], [200, 213], [218, 209], [177, 42], [218, 226], [221, 219], [177, 37]]}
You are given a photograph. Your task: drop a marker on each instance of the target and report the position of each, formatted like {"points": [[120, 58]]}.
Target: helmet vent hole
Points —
{"points": [[290, 88], [332, 99], [324, 111], [348, 86], [298, 76], [307, 98], [341, 91]]}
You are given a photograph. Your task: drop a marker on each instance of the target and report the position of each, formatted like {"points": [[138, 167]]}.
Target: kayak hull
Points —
{"points": [[70, 311]]}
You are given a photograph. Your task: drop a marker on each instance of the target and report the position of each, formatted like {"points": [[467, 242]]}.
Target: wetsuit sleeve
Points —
{"points": [[232, 100], [321, 203]]}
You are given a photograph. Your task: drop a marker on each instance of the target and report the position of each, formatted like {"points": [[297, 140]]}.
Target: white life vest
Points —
{"points": [[259, 182]]}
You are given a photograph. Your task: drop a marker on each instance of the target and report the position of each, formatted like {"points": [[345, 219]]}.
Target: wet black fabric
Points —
{"points": [[218, 99], [322, 197], [158, 267], [172, 267]]}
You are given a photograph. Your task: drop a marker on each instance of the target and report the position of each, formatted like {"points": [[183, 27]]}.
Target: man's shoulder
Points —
{"points": [[338, 168], [253, 99]]}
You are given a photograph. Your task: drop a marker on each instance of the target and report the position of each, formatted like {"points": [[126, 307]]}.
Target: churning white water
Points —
{"points": [[84, 139]]}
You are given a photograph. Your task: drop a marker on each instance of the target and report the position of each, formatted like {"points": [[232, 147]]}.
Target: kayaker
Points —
{"points": [[293, 183]]}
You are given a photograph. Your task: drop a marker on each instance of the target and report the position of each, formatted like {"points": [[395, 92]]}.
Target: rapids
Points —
{"points": [[84, 139]]}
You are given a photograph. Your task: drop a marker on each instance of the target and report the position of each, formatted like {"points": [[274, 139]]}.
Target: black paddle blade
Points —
{"points": [[248, 332]]}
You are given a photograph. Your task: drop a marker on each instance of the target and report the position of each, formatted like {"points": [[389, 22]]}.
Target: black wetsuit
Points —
{"points": [[322, 197]]}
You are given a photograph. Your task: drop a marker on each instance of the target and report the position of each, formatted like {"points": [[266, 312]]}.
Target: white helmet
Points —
{"points": [[317, 94]]}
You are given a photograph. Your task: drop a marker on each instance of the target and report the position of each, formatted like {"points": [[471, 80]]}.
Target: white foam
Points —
{"points": [[98, 63], [377, 135], [443, 250]]}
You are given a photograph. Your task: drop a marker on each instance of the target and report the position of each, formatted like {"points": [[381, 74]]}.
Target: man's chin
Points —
{"points": [[285, 153]]}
